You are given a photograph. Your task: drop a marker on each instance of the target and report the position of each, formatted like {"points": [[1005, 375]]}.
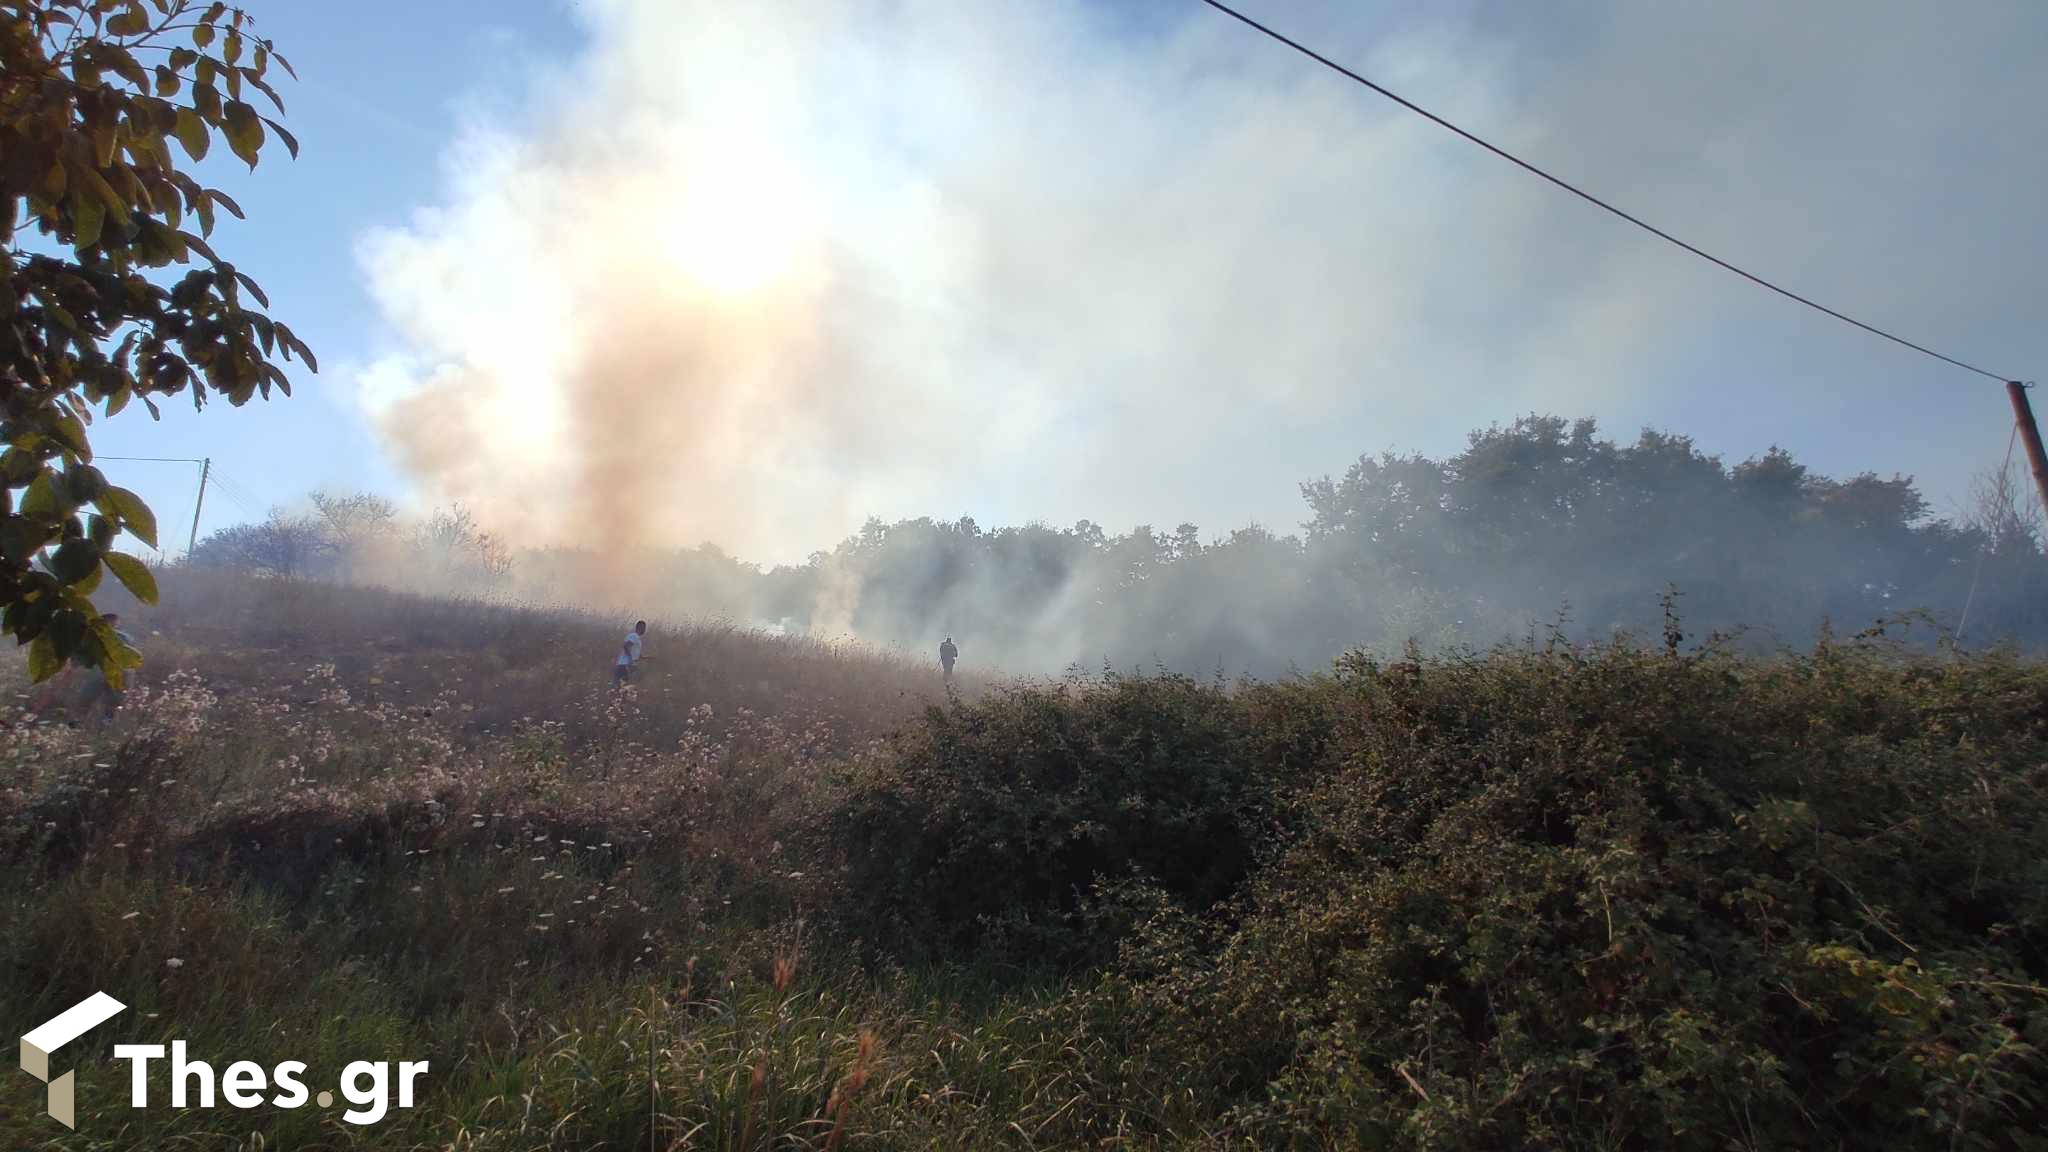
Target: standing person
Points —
{"points": [[947, 654], [629, 653]]}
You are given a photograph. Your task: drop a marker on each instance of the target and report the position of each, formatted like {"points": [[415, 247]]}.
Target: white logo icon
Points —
{"points": [[55, 1033]]}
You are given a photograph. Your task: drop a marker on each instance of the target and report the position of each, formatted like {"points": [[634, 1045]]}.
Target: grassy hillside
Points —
{"points": [[784, 896]]}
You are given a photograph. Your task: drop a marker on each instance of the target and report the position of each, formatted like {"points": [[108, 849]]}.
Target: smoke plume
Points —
{"points": [[750, 273]]}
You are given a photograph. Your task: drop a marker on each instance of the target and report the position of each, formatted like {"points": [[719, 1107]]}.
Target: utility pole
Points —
{"points": [[2030, 432], [206, 466]]}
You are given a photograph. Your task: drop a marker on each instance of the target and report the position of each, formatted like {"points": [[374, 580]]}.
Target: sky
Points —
{"points": [[656, 272]]}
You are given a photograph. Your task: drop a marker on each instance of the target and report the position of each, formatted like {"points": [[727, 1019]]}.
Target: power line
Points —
{"points": [[1588, 196], [238, 495], [152, 459]]}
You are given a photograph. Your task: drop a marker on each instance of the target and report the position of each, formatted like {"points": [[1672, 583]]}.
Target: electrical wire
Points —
{"points": [[1589, 197], [237, 495]]}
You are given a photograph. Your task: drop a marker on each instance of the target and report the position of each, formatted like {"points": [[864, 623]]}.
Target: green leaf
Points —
{"points": [[134, 575], [202, 35], [115, 657], [18, 467], [226, 202], [291, 142], [43, 661], [19, 539], [167, 82], [253, 290], [88, 216], [85, 483], [133, 22], [125, 66], [116, 204], [68, 431], [133, 514], [74, 559], [244, 131], [40, 501], [289, 340], [192, 134]]}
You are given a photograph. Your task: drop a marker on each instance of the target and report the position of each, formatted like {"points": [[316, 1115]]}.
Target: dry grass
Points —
{"points": [[330, 824]]}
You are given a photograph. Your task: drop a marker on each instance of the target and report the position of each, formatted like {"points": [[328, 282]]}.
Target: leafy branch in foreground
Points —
{"points": [[92, 205]]}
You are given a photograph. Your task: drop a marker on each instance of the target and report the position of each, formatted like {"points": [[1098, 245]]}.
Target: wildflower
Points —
{"points": [[174, 963]]}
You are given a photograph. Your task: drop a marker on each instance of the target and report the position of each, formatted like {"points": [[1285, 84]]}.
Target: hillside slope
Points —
{"points": [[788, 897]]}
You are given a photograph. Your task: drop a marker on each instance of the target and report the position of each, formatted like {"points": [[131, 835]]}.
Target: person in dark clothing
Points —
{"points": [[947, 654]]}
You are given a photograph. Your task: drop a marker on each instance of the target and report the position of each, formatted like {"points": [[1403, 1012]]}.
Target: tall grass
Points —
{"points": [[779, 897]]}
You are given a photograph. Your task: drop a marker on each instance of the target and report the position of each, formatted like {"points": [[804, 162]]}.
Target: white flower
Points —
{"points": [[174, 963]]}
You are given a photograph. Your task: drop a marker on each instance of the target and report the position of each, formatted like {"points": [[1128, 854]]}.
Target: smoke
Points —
{"points": [[752, 273]]}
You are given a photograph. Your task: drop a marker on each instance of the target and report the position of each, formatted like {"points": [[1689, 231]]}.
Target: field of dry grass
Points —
{"points": [[306, 777], [782, 895]]}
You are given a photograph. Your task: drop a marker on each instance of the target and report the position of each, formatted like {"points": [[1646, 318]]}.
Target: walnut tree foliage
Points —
{"points": [[103, 103]]}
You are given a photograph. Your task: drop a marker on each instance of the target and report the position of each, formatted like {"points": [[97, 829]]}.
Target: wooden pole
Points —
{"points": [[2030, 432], [206, 466]]}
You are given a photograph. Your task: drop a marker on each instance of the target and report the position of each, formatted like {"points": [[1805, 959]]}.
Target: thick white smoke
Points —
{"points": [[752, 272]]}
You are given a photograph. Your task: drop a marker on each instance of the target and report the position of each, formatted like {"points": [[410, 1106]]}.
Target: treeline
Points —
{"points": [[359, 537], [1541, 524]]}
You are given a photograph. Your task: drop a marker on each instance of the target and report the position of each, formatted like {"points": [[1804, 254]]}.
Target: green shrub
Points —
{"points": [[1612, 899], [986, 828]]}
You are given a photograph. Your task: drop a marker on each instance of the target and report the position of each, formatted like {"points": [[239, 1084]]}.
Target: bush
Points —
{"points": [[986, 828], [1616, 899]]}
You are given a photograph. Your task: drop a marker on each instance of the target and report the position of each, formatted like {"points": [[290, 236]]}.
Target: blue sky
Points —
{"points": [[381, 89], [1128, 263]]}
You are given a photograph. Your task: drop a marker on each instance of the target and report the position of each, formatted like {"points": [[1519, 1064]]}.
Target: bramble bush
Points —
{"points": [[987, 827], [1623, 899]]}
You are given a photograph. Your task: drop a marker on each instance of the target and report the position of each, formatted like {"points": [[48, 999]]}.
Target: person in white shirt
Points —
{"points": [[629, 653]]}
